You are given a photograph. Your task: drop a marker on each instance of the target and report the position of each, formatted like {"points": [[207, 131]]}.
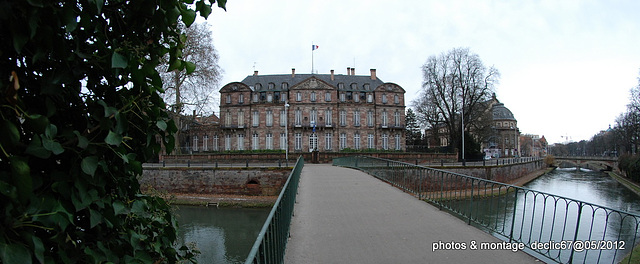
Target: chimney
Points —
{"points": [[255, 73], [348, 70], [373, 74], [353, 71], [332, 78], [293, 72]]}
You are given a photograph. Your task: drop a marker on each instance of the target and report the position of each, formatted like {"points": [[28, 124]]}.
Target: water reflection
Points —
{"points": [[223, 235]]}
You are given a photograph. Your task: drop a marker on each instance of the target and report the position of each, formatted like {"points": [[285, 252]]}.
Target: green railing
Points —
{"points": [[272, 240], [550, 227]]}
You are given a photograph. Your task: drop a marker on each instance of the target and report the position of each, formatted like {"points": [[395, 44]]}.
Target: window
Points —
{"points": [[342, 97], [354, 86], [313, 142], [195, 143], [384, 118], [227, 142], [258, 86], [255, 97], [283, 141], [263, 96], [216, 143], [396, 99], [205, 142], [396, 118], [240, 142], [328, 116], [328, 137], [370, 143], [276, 96], [240, 119], [272, 86], [269, 97], [370, 98], [356, 141], [256, 118], [385, 141], [343, 117], [356, 118], [384, 98], [343, 141], [255, 141], [241, 99], [327, 96], [228, 98], [283, 118], [298, 96], [298, 141], [313, 116], [285, 86], [283, 98], [312, 97], [366, 86], [363, 95], [269, 118], [340, 86], [269, 141], [356, 98], [349, 95], [397, 141], [298, 117], [227, 118], [370, 118]]}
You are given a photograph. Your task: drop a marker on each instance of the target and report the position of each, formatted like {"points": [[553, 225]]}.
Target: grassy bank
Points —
{"points": [[627, 183]]}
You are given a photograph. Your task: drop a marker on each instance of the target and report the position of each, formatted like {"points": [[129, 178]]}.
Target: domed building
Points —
{"points": [[505, 133]]}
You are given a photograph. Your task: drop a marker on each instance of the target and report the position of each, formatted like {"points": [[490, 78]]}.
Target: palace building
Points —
{"points": [[307, 112]]}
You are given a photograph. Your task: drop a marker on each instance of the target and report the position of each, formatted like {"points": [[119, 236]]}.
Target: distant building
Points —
{"points": [[503, 140], [326, 112]]}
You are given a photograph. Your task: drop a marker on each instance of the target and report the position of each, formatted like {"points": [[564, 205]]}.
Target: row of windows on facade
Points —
{"points": [[285, 86], [314, 118], [348, 96], [313, 142], [505, 124]]}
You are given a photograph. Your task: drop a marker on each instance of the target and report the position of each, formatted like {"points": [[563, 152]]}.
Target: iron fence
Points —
{"points": [[550, 227], [271, 242]]}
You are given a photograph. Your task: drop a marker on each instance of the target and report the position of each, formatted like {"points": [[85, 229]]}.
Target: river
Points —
{"points": [[223, 235], [587, 186]]}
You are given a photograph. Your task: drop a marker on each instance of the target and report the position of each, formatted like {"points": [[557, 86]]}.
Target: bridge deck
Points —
{"points": [[346, 216]]}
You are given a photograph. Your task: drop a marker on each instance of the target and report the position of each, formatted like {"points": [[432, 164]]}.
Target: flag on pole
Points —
{"points": [[314, 47]]}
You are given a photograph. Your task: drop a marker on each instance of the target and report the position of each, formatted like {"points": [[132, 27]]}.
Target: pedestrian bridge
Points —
{"points": [[589, 162], [344, 215]]}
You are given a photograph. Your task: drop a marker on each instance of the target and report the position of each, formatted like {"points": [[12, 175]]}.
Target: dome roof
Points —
{"points": [[500, 112]]}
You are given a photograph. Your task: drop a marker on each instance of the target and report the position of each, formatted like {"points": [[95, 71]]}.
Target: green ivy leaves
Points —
{"points": [[85, 115]]}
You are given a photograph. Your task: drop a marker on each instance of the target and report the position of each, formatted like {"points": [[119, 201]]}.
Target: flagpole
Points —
{"points": [[312, 49]]}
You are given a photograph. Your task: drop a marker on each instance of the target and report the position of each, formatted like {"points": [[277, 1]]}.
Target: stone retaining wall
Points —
{"points": [[232, 181], [500, 173]]}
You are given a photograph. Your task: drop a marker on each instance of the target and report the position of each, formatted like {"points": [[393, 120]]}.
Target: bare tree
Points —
{"points": [[193, 87], [456, 86]]}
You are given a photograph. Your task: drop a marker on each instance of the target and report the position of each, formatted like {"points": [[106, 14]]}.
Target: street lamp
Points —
{"points": [[286, 132]]}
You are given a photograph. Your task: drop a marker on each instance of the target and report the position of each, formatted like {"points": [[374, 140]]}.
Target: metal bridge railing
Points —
{"points": [[548, 226], [272, 239]]}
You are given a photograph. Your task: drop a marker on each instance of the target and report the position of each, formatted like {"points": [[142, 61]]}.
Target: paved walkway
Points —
{"points": [[346, 216]]}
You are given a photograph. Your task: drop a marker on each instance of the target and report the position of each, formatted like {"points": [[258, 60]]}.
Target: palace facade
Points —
{"points": [[305, 112]]}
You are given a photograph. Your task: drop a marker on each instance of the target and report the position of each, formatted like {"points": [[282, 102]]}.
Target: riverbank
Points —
{"points": [[530, 177], [236, 201], [463, 194], [634, 187]]}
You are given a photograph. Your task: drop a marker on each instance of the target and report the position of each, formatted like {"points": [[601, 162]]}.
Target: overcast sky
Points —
{"points": [[566, 66]]}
